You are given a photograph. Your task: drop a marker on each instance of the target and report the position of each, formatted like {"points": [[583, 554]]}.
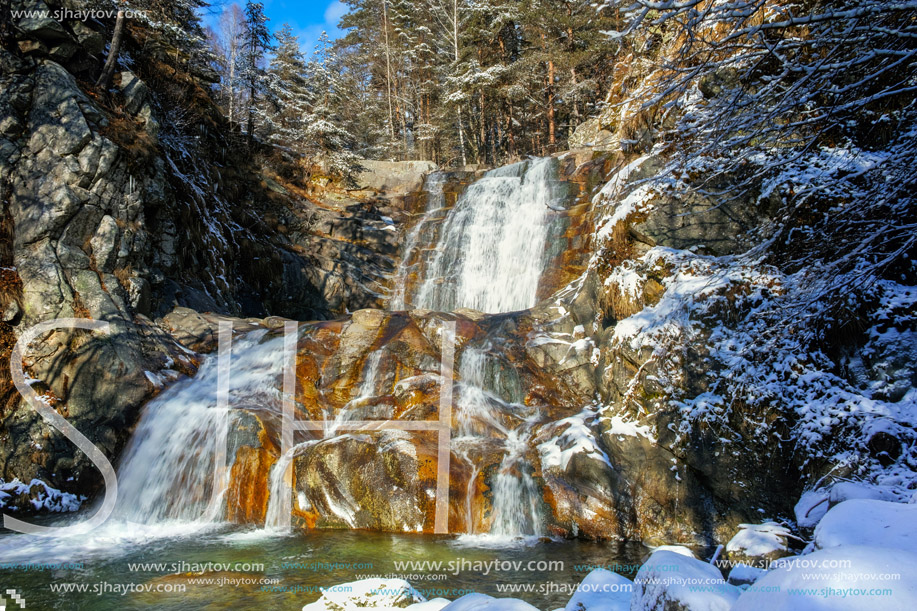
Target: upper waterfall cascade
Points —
{"points": [[493, 246]]}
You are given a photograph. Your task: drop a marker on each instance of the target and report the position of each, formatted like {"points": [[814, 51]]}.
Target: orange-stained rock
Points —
{"points": [[249, 483], [382, 481]]}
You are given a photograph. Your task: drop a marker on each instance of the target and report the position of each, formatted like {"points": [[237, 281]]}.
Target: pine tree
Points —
{"points": [[287, 96], [256, 43], [325, 136]]}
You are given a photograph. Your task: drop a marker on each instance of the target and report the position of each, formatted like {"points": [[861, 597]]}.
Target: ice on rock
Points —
{"points": [[812, 587], [602, 590], [42, 496]]}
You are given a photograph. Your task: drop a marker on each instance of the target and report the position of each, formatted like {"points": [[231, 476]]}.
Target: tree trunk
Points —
{"points": [[456, 55], [510, 133], [109, 69], [461, 131], [483, 128], [232, 82], [251, 115], [388, 71], [552, 124]]}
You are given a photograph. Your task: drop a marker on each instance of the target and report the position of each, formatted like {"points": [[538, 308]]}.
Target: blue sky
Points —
{"points": [[308, 18]]}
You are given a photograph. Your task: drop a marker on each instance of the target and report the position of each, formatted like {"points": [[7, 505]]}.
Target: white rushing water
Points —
{"points": [[492, 248], [436, 203], [169, 480], [483, 420], [273, 519], [490, 255], [168, 470]]}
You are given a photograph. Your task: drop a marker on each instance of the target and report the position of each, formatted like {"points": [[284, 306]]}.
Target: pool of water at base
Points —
{"points": [[285, 571]]}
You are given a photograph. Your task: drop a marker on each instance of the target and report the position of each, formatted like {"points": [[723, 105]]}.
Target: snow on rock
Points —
{"points": [[42, 496], [620, 426], [368, 593], [670, 580], [846, 491], [675, 549], [759, 539], [869, 522], [602, 590], [812, 506], [805, 584], [483, 602], [575, 437]]}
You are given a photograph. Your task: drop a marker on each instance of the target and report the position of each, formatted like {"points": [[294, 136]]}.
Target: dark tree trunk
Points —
{"points": [[109, 69]]}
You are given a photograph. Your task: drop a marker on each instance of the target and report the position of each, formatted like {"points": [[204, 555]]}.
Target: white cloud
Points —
{"points": [[334, 12]]}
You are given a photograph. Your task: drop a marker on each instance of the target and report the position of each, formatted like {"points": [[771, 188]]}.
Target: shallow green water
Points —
{"points": [[298, 564]]}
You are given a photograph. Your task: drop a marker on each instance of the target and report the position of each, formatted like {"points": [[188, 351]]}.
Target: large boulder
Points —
{"points": [[601, 590], [676, 582], [591, 134], [395, 177]]}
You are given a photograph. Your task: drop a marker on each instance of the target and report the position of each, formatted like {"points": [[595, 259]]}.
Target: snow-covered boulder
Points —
{"points": [[483, 602], [812, 507], [669, 580], [807, 584], [869, 522], [848, 491], [757, 543], [681, 550], [368, 593], [602, 590]]}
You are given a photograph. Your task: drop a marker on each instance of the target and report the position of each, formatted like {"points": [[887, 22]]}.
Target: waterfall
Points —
{"points": [[170, 480], [167, 470], [492, 248], [436, 203], [484, 419], [370, 373], [517, 500], [273, 516]]}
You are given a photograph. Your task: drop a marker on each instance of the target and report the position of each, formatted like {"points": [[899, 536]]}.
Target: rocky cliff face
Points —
{"points": [[119, 206]]}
